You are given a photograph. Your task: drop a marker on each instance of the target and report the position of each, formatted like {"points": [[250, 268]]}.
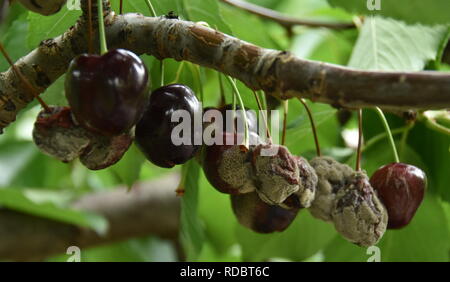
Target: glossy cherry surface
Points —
{"points": [[401, 188], [107, 93], [153, 132]]}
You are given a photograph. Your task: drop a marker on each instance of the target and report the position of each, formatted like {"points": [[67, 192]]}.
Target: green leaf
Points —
{"points": [[14, 40], [45, 27], [14, 157], [191, 234], [29, 203], [411, 11], [390, 45], [129, 167], [206, 11]]}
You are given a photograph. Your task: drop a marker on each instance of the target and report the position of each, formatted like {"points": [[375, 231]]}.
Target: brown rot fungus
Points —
{"points": [[260, 217], [308, 183], [56, 134], [276, 173], [103, 151], [228, 168], [332, 177], [358, 214]]}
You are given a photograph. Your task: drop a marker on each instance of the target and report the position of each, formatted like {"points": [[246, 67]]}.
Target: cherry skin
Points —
{"points": [[108, 93], [154, 130], [227, 166], [401, 188], [260, 217]]}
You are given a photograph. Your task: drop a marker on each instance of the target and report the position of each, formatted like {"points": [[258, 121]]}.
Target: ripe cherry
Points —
{"points": [[401, 188], [154, 130], [107, 93], [260, 217]]}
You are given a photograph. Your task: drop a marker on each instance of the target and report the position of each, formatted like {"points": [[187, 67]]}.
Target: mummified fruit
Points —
{"points": [[154, 131], [228, 167], [358, 215], [308, 183], [103, 152], [56, 134], [276, 173], [259, 216], [332, 177], [107, 93], [401, 188]]}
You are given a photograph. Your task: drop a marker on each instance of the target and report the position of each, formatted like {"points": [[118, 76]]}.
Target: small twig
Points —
{"points": [[90, 32], [263, 111], [286, 21], [25, 81], [313, 127], [360, 136], [285, 114]]}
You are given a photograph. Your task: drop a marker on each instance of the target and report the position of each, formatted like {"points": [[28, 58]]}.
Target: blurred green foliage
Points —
{"points": [[33, 183]]}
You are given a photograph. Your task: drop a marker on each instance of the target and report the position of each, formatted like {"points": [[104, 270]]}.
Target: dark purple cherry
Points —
{"points": [[107, 93], [260, 217], [401, 188], [154, 130]]}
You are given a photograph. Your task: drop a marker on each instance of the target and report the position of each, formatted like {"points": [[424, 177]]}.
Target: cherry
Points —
{"points": [[153, 132], [401, 188], [56, 134], [228, 167], [107, 93], [259, 216]]}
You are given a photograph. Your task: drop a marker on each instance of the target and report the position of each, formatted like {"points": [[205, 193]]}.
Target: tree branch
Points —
{"points": [[278, 73], [287, 22], [151, 208]]}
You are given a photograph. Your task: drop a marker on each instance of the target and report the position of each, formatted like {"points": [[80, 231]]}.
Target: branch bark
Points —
{"points": [[151, 208], [278, 73]]}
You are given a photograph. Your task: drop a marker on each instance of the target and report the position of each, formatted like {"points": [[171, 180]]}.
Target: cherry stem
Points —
{"points": [[404, 138], [388, 132], [90, 44], [30, 87], [121, 7], [381, 136], [161, 69], [285, 114], [178, 73], [260, 107], [313, 126], [241, 102], [200, 82], [222, 88], [150, 7], [360, 136], [101, 28]]}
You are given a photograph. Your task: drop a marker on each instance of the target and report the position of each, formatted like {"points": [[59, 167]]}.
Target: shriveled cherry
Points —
{"points": [[107, 93], [227, 166], [259, 216], [401, 188], [154, 130]]}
